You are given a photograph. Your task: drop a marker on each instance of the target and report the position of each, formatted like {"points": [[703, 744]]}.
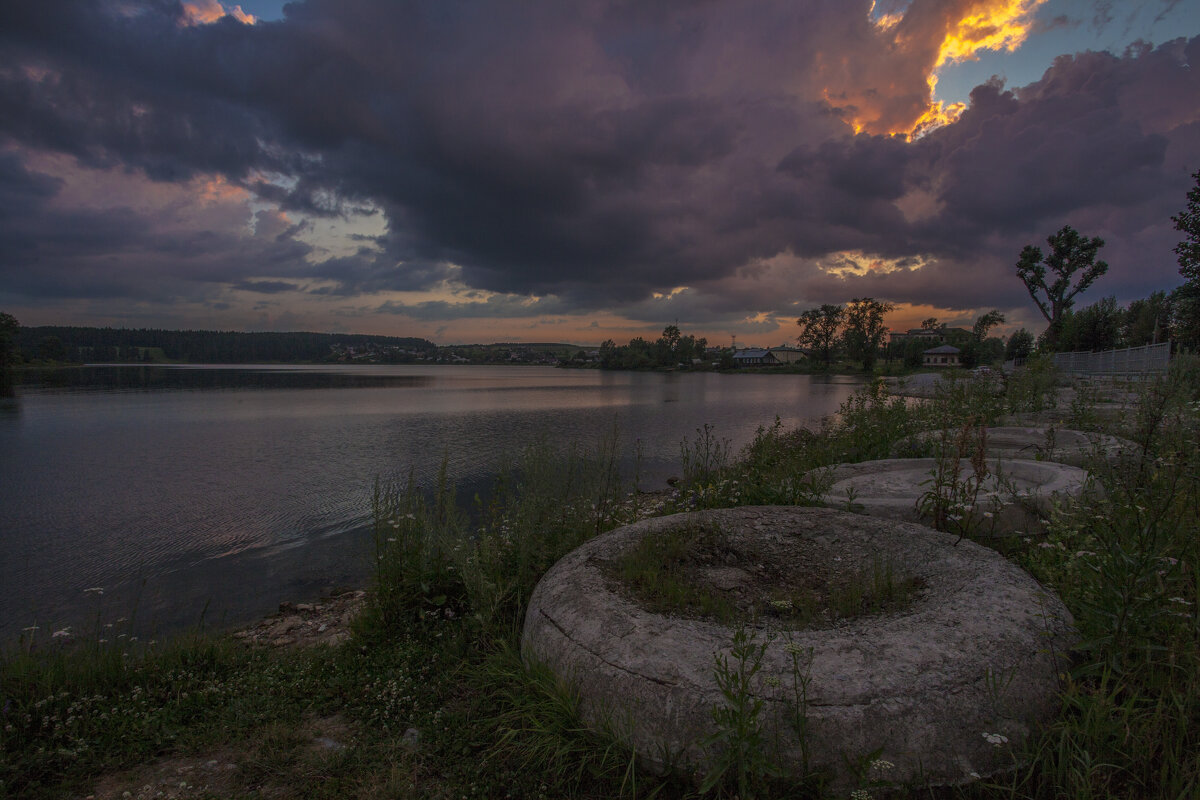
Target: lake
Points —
{"points": [[217, 492]]}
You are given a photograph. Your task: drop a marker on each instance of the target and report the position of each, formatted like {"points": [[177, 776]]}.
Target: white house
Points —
{"points": [[945, 356]]}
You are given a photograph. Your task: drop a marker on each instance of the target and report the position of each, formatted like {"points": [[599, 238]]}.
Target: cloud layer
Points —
{"points": [[597, 155]]}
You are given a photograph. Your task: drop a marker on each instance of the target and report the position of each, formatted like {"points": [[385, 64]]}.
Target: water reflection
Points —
{"points": [[240, 487], [157, 378]]}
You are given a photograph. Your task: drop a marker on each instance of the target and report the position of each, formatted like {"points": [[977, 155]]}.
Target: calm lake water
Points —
{"points": [[221, 491]]}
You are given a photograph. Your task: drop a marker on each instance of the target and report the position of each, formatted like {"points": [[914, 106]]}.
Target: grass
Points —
{"points": [[430, 697], [655, 569], [666, 572]]}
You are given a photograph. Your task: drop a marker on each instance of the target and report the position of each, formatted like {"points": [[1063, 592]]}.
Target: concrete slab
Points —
{"points": [[943, 689], [1013, 497], [1031, 442]]}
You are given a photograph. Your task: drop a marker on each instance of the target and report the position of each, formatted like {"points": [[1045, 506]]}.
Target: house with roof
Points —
{"points": [[754, 356], [939, 335], [946, 355]]}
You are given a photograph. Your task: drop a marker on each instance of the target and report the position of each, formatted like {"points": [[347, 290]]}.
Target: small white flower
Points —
{"points": [[94, 590], [881, 764], [62, 634], [995, 739]]}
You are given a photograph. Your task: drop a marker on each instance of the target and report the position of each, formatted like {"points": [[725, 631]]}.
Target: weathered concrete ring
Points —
{"points": [[942, 689], [1013, 498], [1036, 443]]}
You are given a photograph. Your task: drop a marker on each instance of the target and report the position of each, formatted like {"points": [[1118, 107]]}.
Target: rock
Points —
{"points": [[1013, 498], [411, 738], [727, 578], [978, 651], [1036, 443]]}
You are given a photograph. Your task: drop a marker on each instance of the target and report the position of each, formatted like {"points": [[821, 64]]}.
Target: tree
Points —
{"points": [[865, 329], [820, 329], [930, 324], [1069, 253], [1188, 223], [1147, 321], [8, 333], [1093, 328], [666, 346], [1019, 345], [985, 323], [979, 349], [1185, 300]]}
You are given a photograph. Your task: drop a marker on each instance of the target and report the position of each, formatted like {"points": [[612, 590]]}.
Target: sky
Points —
{"points": [[478, 171]]}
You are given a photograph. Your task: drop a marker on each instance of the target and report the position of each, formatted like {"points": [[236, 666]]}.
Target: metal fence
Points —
{"points": [[1149, 359]]}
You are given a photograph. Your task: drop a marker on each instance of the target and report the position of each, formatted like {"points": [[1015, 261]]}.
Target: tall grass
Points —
{"points": [[437, 655]]}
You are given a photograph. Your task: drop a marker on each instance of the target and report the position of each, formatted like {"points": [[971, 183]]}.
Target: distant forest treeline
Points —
{"points": [[62, 343]]}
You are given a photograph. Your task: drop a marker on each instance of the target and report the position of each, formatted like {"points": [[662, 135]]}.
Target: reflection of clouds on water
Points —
{"points": [[204, 474]]}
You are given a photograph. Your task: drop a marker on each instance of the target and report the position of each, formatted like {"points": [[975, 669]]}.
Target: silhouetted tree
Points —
{"points": [[1093, 328], [1185, 300], [865, 329], [1147, 321], [1188, 223], [1019, 345], [8, 334], [820, 329], [986, 322], [1069, 253]]}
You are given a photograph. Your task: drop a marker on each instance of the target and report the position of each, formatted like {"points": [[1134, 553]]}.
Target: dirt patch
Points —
{"points": [[221, 773], [213, 774], [326, 621], [702, 571]]}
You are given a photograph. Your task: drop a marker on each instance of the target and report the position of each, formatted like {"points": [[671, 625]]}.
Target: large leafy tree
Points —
{"points": [[1019, 345], [1092, 328], [819, 330], [1147, 321], [986, 322], [1048, 278], [1185, 300], [865, 329], [1188, 223], [979, 349]]}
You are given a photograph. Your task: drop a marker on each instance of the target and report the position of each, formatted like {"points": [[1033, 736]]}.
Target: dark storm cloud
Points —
{"points": [[266, 287], [595, 151]]}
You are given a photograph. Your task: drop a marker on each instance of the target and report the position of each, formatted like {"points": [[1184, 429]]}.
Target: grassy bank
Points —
{"points": [[429, 697]]}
